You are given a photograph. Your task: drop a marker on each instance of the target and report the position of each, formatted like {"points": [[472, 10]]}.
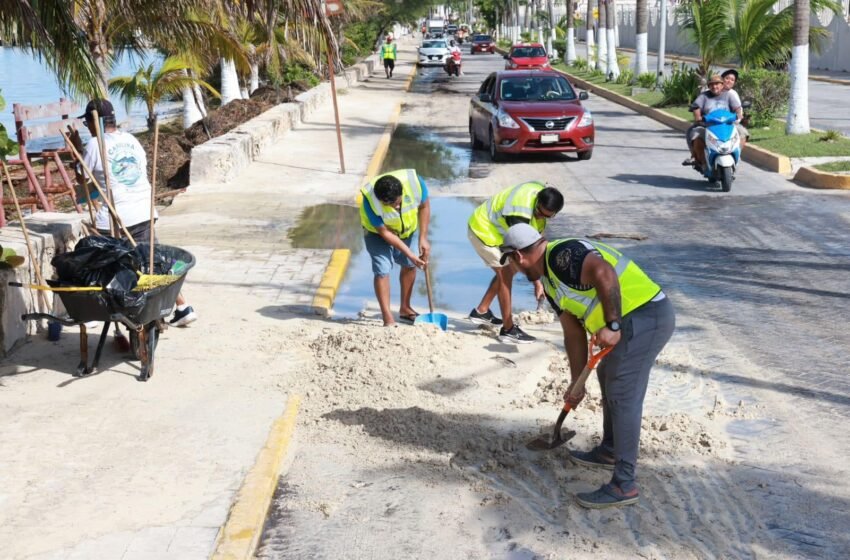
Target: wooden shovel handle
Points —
{"points": [[428, 287]]}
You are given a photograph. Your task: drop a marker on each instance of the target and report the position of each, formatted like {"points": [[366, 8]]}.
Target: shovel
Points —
{"points": [[439, 319], [544, 443]]}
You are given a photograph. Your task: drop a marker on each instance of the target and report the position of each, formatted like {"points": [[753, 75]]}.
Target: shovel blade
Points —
{"points": [[546, 442], [439, 319]]}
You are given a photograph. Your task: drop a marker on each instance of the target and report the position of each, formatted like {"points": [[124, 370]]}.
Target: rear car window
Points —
{"points": [[482, 38]]}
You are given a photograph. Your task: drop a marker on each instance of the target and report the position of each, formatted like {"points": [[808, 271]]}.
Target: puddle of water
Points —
{"points": [[459, 277], [427, 153]]}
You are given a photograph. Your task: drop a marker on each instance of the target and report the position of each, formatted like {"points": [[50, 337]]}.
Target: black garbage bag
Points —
{"points": [[96, 260]]}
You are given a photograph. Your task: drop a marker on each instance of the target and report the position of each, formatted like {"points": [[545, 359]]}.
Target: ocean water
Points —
{"points": [[26, 79]]}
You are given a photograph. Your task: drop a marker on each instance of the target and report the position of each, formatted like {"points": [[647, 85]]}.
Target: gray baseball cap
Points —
{"points": [[518, 237]]}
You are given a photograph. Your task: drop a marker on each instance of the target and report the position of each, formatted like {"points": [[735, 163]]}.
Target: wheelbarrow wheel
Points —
{"points": [[151, 339]]}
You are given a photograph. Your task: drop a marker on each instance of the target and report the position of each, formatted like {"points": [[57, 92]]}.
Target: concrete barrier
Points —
{"points": [[224, 157], [817, 179], [51, 233]]}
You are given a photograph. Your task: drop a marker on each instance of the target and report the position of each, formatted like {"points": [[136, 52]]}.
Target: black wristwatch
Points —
{"points": [[613, 326]]}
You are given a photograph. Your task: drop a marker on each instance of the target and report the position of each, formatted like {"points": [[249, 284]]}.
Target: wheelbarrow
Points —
{"points": [[85, 304]]}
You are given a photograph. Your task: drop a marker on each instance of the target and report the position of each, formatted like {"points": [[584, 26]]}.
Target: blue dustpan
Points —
{"points": [[439, 319]]}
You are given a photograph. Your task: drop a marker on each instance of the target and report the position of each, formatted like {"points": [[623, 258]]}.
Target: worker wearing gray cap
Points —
{"points": [[596, 290]]}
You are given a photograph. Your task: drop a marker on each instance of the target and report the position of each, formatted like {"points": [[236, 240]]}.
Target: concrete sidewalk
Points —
{"points": [[107, 467]]}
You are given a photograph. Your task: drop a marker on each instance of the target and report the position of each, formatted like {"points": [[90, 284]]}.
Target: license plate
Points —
{"points": [[548, 138], [431, 58]]}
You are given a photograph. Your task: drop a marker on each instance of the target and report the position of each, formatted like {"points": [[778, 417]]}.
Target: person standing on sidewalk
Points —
{"points": [[389, 52], [394, 208], [128, 181], [527, 203], [597, 290]]}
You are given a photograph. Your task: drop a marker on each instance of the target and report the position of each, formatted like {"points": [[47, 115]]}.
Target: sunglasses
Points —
{"points": [[541, 213]]}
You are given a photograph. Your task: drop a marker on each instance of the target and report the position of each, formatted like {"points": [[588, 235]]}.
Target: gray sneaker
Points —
{"points": [[515, 335], [486, 318]]}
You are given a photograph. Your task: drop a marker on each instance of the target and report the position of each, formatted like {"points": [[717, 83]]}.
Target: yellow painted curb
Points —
{"points": [[241, 533], [323, 300], [751, 154], [817, 179]]}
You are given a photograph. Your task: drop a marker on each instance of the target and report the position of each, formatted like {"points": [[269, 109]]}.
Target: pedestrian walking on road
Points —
{"points": [[395, 207], [596, 290], [389, 52], [527, 203]]}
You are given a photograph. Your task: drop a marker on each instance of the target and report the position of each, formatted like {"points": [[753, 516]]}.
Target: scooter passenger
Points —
{"points": [[715, 98]]}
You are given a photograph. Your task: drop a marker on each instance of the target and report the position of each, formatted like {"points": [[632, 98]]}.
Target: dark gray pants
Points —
{"points": [[624, 376]]}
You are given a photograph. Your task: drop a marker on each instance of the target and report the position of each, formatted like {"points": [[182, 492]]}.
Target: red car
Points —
{"points": [[483, 43], [522, 111], [527, 55]]}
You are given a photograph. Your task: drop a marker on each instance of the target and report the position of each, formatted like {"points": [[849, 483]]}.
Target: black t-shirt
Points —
{"points": [[566, 261]]}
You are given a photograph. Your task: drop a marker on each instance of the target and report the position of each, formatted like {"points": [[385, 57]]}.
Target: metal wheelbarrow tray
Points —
{"points": [[144, 323]]}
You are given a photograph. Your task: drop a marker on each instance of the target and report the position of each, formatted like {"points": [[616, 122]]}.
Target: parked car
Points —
{"points": [[521, 111], [433, 52], [451, 29], [483, 43], [528, 55]]}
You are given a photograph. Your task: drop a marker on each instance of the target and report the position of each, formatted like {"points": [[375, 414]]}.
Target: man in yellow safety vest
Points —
{"points": [[531, 203], [394, 208], [597, 290], [389, 53]]}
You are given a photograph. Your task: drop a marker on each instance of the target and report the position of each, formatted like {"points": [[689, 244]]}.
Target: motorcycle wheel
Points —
{"points": [[726, 179]]}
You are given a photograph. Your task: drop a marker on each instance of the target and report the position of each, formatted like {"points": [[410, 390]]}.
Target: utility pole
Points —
{"points": [[662, 41]]}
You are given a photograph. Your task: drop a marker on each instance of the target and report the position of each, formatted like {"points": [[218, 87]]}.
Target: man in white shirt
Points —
{"points": [[128, 183]]}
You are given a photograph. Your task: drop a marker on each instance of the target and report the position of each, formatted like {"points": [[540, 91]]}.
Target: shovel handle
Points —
{"points": [[592, 361], [428, 287]]}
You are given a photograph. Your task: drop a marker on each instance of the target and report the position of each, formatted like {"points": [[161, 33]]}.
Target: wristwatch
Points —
{"points": [[613, 326]]}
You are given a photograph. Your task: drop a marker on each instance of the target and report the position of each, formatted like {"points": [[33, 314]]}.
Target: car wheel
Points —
{"points": [[476, 143], [584, 156], [495, 155]]}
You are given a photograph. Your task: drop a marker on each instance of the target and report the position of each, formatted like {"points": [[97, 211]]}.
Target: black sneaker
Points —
{"points": [[183, 318], [595, 458], [486, 318], [515, 335], [689, 162]]}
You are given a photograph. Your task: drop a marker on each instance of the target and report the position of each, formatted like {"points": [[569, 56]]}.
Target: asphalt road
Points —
{"points": [[759, 276]]}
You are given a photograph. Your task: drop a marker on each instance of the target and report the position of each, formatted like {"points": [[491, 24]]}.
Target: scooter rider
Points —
{"points": [[454, 55], [715, 98], [730, 80]]}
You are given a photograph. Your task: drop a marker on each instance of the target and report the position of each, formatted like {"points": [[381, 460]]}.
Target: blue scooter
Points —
{"points": [[722, 148]]}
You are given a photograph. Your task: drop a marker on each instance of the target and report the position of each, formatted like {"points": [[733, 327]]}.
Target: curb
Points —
{"points": [[323, 300], [751, 154], [241, 533], [816, 179]]}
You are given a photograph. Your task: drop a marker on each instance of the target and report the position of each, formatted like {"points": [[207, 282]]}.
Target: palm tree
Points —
{"points": [[590, 43], [798, 108], [613, 70], [51, 31], [705, 22], [641, 37], [150, 86], [602, 58], [570, 51]]}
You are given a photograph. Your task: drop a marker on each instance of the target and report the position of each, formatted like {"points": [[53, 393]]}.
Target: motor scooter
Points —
{"points": [[452, 65], [722, 149]]}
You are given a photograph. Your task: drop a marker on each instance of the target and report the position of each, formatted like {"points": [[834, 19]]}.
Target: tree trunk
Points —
{"points": [[255, 77], [642, 37], [611, 14], [591, 44], [798, 107], [191, 108], [551, 38], [602, 58], [229, 82], [570, 53]]}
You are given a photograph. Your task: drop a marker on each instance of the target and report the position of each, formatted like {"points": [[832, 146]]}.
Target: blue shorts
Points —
{"points": [[383, 254]]}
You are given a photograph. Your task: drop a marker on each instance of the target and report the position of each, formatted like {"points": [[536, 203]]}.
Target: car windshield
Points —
{"points": [[527, 52], [434, 45], [482, 38], [536, 88]]}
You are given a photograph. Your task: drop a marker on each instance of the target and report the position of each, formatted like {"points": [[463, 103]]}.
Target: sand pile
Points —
{"points": [[677, 433], [543, 315]]}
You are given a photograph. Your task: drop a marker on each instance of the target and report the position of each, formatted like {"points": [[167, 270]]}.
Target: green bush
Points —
{"points": [[768, 91], [560, 46], [596, 73], [682, 87], [504, 43], [646, 80], [293, 72], [580, 64], [626, 77], [7, 145]]}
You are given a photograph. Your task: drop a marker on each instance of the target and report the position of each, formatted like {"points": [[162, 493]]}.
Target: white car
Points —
{"points": [[433, 52]]}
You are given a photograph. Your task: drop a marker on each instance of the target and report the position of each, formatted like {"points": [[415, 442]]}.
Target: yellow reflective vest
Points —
{"points": [[636, 288], [403, 223], [488, 221], [388, 50]]}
